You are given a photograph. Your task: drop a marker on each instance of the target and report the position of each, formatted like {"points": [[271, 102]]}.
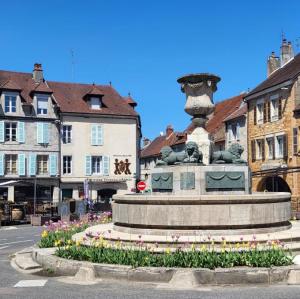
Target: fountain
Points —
{"points": [[197, 191]]}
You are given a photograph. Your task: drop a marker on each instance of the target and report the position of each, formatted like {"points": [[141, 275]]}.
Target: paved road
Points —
{"points": [[12, 240]]}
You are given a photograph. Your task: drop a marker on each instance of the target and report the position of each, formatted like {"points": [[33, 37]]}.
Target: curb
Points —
{"points": [[196, 277]]}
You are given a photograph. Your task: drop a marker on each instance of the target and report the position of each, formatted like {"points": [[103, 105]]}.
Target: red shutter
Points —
{"points": [[263, 149], [253, 152], [265, 112], [285, 147], [254, 113], [273, 145], [279, 108], [269, 110]]}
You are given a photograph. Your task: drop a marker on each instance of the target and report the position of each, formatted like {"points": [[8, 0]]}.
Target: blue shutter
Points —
{"points": [[21, 164], [105, 165], [40, 131], [1, 164], [88, 165], [2, 131], [94, 135], [238, 131], [32, 165], [21, 132], [99, 135], [53, 164], [46, 133]]}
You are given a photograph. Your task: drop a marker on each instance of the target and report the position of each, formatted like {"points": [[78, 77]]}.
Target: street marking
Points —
{"points": [[3, 240], [3, 247], [8, 243], [9, 228], [20, 237], [30, 283]]}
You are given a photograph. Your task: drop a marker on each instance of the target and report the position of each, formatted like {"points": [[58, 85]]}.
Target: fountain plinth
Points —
{"points": [[199, 89]]}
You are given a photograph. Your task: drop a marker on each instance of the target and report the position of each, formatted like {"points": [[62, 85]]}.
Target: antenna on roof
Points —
{"points": [[129, 94], [72, 65], [282, 35], [109, 83]]}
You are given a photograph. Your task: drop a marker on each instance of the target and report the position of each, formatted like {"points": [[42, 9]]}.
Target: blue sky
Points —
{"points": [[144, 46]]}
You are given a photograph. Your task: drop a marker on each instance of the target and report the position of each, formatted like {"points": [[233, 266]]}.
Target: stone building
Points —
{"points": [[273, 126], [176, 140], [29, 137], [236, 129], [62, 137]]}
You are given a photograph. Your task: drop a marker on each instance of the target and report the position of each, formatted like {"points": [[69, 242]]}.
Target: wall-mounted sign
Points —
{"points": [[122, 167]]}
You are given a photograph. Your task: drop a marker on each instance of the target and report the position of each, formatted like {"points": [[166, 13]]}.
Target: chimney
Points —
{"points": [[273, 63], [37, 73], [287, 52], [146, 142], [169, 130]]}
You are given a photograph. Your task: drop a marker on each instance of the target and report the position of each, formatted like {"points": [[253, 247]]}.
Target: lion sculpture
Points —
{"points": [[232, 155], [192, 153]]}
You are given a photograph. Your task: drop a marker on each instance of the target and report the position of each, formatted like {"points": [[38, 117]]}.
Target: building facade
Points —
{"points": [[273, 127], [67, 140]]}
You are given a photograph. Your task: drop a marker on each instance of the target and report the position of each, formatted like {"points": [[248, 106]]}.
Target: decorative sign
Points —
{"points": [[228, 180], [141, 186], [122, 167], [162, 181], [187, 180]]}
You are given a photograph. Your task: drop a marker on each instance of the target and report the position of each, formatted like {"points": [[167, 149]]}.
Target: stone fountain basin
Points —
{"points": [[167, 214]]}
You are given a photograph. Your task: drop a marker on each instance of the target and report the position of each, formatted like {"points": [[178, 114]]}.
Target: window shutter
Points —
{"points": [[229, 133], [285, 147], [21, 164], [32, 165], [263, 155], [295, 141], [105, 165], [255, 114], [1, 164], [94, 134], [265, 112], [269, 111], [53, 164], [238, 131], [273, 145], [99, 135], [2, 131], [253, 150], [45, 133], [88, 165], [21, 132], [279, 108], [40, 132]]}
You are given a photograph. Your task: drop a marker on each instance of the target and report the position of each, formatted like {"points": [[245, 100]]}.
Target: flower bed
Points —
{"points": [[192, 257], [58, 233]]}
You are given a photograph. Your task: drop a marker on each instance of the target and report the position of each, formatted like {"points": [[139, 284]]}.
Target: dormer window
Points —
{"points": [[42, 105], [95, 103], [10, 103]]}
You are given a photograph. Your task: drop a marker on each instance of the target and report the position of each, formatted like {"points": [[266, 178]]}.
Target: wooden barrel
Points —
{"points": [[17, 214]]}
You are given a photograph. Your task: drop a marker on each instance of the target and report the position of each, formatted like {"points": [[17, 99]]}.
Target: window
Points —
{"points": [[279, 146], [274, 107], [259, 148], [11, 164], [42, 105], [10, 103], [42, 164], [67, 134], [96, 164], [295, 141], [67, 164], [95, 103], [10, 131], [260, 112], [270, 142]]}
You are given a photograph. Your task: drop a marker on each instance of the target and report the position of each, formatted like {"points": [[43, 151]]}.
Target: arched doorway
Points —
{"points": [[104, 197], [273, 184]]}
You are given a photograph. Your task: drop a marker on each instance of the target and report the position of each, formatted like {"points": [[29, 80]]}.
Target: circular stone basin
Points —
{"points": [[213, 214]]}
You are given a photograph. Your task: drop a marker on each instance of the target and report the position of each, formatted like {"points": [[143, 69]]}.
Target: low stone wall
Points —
{"points": [[169, 214], [233, 276]]}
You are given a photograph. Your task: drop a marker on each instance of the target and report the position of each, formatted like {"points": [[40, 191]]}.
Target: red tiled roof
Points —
{"points": [[214, 126], [10, 85], [238, 113], [130, 101], [95, 91], [70, 96], [289, 71], [42, 87]]}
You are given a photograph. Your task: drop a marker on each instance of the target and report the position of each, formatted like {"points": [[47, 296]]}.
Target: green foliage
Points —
{"points": [[179, 258]]}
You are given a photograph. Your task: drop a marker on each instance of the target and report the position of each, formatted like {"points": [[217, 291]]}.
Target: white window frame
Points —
{"points": [[10, 96], [94, 158], [95, 103], [270, 149], [39, 161], [67, 134], [9, 126], [260, 113], [274, 100], [9, 162], [279, 155], [67, 159], [42, 98], [259, 149]]}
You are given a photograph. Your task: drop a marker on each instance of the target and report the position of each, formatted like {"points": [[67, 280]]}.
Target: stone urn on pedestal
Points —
{"points": [[199, 89]]}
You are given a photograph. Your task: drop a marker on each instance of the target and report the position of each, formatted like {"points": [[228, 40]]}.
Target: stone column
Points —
{"points": [[55, 196], [11, 193], [199, 89]]}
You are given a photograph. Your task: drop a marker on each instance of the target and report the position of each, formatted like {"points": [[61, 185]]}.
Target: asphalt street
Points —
{"points": [[14, 284]]}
